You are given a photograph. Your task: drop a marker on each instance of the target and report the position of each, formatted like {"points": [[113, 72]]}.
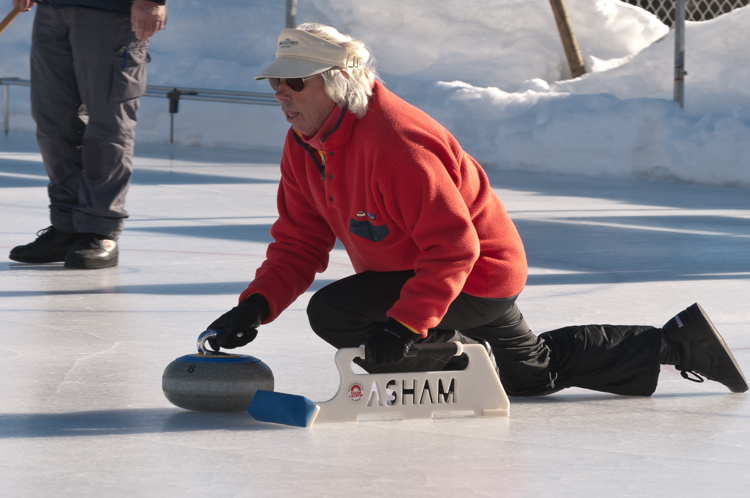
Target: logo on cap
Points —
{"points": [[286, 43]]}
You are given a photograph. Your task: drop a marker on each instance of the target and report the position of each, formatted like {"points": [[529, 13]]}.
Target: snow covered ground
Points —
{"points": [[493, 72]]}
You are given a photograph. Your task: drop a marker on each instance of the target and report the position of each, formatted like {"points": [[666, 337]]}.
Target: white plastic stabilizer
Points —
{"points": [[415, 395]]}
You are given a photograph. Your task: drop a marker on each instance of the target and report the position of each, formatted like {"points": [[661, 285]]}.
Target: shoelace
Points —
{"points": [[43, 231], [685, 375]]}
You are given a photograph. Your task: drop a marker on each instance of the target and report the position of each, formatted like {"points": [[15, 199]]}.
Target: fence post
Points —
{"points": [[291, 13], [174, 108], [575, 61], [679, 53], [6, 117]]}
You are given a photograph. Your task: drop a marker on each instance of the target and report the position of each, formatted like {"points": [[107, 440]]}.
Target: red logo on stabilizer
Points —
{"points": [[355, 392]]}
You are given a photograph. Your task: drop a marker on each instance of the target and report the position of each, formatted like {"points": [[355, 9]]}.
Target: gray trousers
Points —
{"points": [[87, 76]]}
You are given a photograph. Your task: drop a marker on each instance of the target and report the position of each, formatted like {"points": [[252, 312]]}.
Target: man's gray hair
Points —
{"points": [[356, 90]]}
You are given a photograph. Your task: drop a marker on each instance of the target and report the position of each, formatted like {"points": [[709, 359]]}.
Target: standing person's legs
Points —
{"points": [[86, 66], [110, 71], [54, 106]]}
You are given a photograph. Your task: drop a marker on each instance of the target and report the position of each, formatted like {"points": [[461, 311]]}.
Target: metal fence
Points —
{"points": [[695, 10], [173, 94]]}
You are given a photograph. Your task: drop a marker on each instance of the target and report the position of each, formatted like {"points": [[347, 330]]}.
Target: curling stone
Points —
{"points": [[212, 381]]}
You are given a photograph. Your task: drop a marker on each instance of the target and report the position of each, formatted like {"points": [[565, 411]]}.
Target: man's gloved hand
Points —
{"points": [[238, 326], [388, 344]]}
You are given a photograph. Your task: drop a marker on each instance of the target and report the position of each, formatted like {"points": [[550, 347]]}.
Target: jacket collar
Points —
{"points": [[342, 131], [329, 126], [344, 127]]}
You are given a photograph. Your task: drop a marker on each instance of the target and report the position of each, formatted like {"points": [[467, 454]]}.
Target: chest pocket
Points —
{"points": [[365, 229]]}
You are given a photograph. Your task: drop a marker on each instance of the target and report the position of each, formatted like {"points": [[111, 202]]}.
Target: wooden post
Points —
{"points": [[575, 61]]}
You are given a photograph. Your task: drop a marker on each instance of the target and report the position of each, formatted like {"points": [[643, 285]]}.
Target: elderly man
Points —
{"points": [[436, 255]]}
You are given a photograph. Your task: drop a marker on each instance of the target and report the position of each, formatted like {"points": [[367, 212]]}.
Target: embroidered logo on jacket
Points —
{"points": [[362, 214]]}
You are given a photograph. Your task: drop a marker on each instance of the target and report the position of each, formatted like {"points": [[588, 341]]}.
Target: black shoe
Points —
{"points": [[50, 246], [92, 252], [702, 351]]}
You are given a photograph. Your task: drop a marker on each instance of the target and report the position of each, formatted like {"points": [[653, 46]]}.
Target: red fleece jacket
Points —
{"points": [[400, 194]]}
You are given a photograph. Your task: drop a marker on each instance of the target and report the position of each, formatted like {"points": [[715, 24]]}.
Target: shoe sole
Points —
{"points": [[721, 350], [58, 259], [90, 264]]}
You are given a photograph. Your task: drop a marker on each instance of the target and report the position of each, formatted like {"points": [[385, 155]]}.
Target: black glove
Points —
{"points": [[238, 326], [388, 344]]}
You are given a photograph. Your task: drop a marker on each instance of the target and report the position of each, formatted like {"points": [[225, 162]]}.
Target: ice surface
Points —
{"points": [[82, 352]]}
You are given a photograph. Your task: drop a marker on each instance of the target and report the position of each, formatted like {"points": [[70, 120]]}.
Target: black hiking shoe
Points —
{"points": [[92, 252], [50, 246], [700, 350]]}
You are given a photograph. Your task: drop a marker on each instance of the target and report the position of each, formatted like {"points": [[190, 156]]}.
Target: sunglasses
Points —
{"points": [[296, 84]]}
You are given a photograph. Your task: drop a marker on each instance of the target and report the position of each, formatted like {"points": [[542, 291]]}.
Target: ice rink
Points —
{"points": [[83, 351]]}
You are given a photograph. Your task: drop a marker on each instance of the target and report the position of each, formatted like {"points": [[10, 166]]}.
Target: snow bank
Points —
{"points": [[493, 72], [485, 43]]}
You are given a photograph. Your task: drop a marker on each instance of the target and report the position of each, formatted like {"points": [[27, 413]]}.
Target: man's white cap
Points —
{"points": [[301, 54]]}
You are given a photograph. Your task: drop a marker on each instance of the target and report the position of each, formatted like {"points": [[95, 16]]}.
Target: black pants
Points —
{"points": [[609, 358]]}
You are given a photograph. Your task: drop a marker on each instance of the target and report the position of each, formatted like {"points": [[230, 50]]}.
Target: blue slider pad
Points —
{"points": [[280, 408]]}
